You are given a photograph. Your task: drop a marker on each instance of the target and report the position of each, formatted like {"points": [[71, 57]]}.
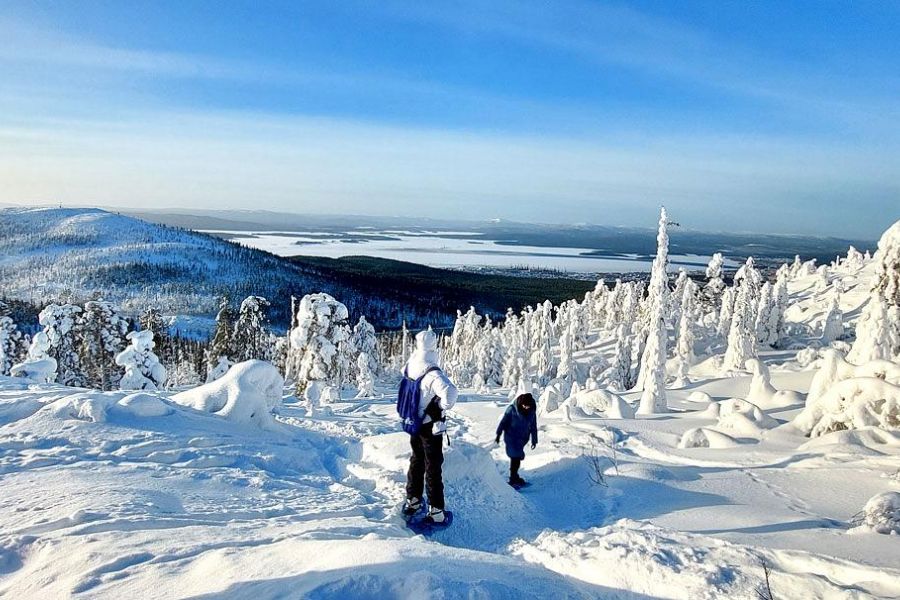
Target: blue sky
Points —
{"points": [[743, 116]]}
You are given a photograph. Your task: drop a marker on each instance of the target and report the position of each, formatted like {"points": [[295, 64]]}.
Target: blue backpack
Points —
{"points": [[408, 398]]}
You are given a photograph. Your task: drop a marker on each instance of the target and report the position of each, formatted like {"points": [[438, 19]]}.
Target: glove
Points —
{"points": [[497, 441], [533, 446]]}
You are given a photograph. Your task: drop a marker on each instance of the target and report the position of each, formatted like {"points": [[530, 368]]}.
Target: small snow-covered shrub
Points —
{"points": [[882, 513], [702, 437], [39, 365], [852, 404], [142, 368], [701, 397], [600, 403], [807, 357], [743, 417], [763, 393]]}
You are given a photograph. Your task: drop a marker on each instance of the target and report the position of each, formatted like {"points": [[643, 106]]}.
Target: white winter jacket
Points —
{"points": [[435, 383]]}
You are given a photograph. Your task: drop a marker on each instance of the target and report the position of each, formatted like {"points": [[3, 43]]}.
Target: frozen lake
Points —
{"points": [[454, 250]]}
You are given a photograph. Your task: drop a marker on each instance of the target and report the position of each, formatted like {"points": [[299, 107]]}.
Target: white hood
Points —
{"points": [[425, 355]]}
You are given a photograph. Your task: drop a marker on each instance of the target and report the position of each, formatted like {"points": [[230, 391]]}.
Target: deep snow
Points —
{"points": [[207, 494]]}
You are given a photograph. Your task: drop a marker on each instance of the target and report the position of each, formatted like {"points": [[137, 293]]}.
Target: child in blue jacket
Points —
{"points": [[519, 422]]}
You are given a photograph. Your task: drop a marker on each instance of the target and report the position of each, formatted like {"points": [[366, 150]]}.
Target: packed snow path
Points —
{"points": [[105, 499]]}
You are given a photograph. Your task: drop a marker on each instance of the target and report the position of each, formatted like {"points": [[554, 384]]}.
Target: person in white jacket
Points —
{"points": [[438, 394]]}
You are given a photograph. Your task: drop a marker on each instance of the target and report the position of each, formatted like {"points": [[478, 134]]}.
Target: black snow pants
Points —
{"points": [[425, 467]]}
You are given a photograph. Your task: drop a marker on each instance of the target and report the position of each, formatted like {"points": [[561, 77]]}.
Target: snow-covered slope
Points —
{"points": [[46, 253]]}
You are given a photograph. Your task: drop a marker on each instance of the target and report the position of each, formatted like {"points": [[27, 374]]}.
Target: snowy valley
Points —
{"points": [[697, 440]]}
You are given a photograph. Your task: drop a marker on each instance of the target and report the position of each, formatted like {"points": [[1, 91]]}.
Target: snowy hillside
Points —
{"points": [[788, 471], [72, 253]]}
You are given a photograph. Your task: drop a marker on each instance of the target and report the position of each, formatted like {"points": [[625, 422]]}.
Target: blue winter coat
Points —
{"points": [[516, 429]]}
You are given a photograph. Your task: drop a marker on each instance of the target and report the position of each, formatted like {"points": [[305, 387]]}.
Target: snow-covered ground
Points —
{"points": [[206, 493]]}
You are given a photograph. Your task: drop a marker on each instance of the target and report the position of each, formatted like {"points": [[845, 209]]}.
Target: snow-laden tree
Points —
{"points": [[364, 341], [152, 320], [12, 342], [833, 324], [597, 305], [102, 336], [715, 281], [855, 260], [60, 323], [542, 361], [726, 312], [742, 333], [515, 360], [765, 304], [566, 367], [878, 327], [315, 353], [221, 350], [251, 338], [675, 298], [614, 302], [619, 376], [684, 347], [38, 364], [142, 368], [652, 377], [365, 378]]}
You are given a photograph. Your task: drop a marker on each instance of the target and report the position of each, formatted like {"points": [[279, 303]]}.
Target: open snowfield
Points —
{"points": [[103, 500]]}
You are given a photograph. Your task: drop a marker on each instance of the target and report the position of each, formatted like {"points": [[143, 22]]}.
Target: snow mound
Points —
{"points": [[842, 441], [743, 417], [144, 405], [700, 397], [882, 513], [703, 437], [83, 406], [247, 394], [600, 403], [763, 393], [852, 404]]}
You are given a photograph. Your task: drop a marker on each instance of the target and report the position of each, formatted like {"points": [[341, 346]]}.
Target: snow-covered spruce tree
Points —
{"points": [[854, 261], [102, 337], [142, 368], [152, 320], [60, 323], [833, 324], [614, 306], [742, 333], [38, 364], [12, 342], [684, 347], [251, 338], [566, 367], [652, 377], [765, 336], [515, 360], [542, 362], [314, 355], [715, 281], [365, 378], [726, 311], [619, 377], [219, 355], [597, 306], [364, 341], [675, 298], [878, 327]]}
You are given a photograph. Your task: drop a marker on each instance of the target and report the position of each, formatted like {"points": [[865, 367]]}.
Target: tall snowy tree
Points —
{"points": [[620, 377], [251, 338], [684, 347], [833, 324], [315, 354], [878, 327], [364, 341], [60, 323], [765, 336], [715, 282], [102, 336], [220, 354], [652, 377], [742, 333], [152, 320], [12, 342]]}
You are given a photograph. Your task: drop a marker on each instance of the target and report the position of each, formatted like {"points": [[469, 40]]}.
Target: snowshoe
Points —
{"points": [[411, 508], [424, 525]]}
